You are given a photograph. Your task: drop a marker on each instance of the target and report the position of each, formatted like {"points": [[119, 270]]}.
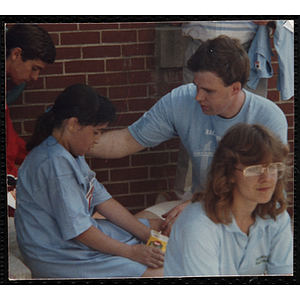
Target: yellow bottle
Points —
{"points": [[158, 240]]}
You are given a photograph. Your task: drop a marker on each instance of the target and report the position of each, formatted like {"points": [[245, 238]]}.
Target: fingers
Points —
{"points": [[171, 216], [157, 258]]}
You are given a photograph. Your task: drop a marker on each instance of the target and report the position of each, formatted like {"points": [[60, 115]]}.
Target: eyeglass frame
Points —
{"points": [[281, 164]]}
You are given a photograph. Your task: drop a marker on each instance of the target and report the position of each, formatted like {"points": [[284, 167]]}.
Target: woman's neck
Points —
{"points": [[59, 135], [243, 216]]}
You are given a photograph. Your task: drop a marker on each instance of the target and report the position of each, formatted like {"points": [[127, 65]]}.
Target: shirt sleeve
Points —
{"points": [[193, 248], [281, 255], [156, 125]]}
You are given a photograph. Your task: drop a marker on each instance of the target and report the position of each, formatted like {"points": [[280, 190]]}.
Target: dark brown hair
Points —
{"points": [[80, 101], [224, 57]]}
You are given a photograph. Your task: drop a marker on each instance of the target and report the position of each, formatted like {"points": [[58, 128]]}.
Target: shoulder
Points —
{"points": [[259, 102], [50, 155], [187, 90], [194, 222], [279, 224]]}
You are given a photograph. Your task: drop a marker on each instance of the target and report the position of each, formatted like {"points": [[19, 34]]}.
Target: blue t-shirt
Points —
{"points": [[199, 247], [178, 114], [56, 197]]}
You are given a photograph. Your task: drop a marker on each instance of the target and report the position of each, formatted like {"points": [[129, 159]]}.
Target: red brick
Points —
{"points": [[273, 96], [123, 36], [272, 82], [102, 176], [64, 81], [131, 200], [122, 92], [84, 66], [149, 159], [128, 119], [67, 53], [140, 104], [29, 111], [166, 88], [117, 188], [102, 91], [290, 120], [141, 77], [138, 49], [148, 186], [137, 25], [80, 38], [173, 157], [146, 35], [56, 68], [150, 63], [287, 108], [291, 134], [97, 26], [163, 171], [101, 51], [129, 174], [41, 97], [124, 64], [99, 164], [29, 126], [107, 79], [35, 85], [121, 107], [291, 147], [50, 27]]}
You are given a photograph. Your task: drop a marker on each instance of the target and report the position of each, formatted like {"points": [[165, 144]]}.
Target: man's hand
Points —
{"points": [[171, 217], [147, 255]]}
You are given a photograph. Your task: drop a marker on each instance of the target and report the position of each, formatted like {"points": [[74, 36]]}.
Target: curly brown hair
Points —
{"points": [[247, 145]]}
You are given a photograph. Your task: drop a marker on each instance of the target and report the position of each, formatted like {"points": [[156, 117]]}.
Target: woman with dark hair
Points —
{"points": [[238, 225], [57, 195]]}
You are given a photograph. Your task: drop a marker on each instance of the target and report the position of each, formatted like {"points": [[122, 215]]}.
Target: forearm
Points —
{"points": [[115, 144], [97, 240], [119, 215]]}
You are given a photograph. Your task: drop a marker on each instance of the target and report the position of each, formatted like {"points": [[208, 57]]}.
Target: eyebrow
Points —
{"points": [[203, 88]]}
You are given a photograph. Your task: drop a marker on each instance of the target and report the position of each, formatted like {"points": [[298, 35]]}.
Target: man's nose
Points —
{"points": [[34, 76]]}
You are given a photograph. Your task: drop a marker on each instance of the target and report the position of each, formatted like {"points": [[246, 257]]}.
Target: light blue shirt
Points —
{"points": [[178, 114], [260, 54], [199, 247], [56, 197]]}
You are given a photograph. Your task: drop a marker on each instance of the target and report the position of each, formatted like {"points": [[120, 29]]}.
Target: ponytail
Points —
{"points": [[43, 129]]}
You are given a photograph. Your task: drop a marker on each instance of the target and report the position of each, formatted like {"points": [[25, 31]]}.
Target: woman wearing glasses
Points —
{"points": [[238, 225]]}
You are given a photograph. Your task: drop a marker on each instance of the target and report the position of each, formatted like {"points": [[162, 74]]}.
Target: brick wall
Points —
{"points": [[118, 59]]}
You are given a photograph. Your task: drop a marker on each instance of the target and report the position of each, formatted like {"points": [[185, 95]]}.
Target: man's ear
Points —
{"points": [[16, 53], [73, 124], [236, 87]]}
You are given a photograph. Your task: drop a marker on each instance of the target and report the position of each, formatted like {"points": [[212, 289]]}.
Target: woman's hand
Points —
{"points": [[147, 255], [171, 217]]}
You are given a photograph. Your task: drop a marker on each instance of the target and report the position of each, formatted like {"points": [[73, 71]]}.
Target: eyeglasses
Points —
{"points": [[274, 170]]}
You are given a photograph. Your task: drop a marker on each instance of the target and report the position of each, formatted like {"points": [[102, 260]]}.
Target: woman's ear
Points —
{"points": [[73, 124]]}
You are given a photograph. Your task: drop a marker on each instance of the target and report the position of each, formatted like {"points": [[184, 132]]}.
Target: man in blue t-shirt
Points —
{"points": [[199, 113]]}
